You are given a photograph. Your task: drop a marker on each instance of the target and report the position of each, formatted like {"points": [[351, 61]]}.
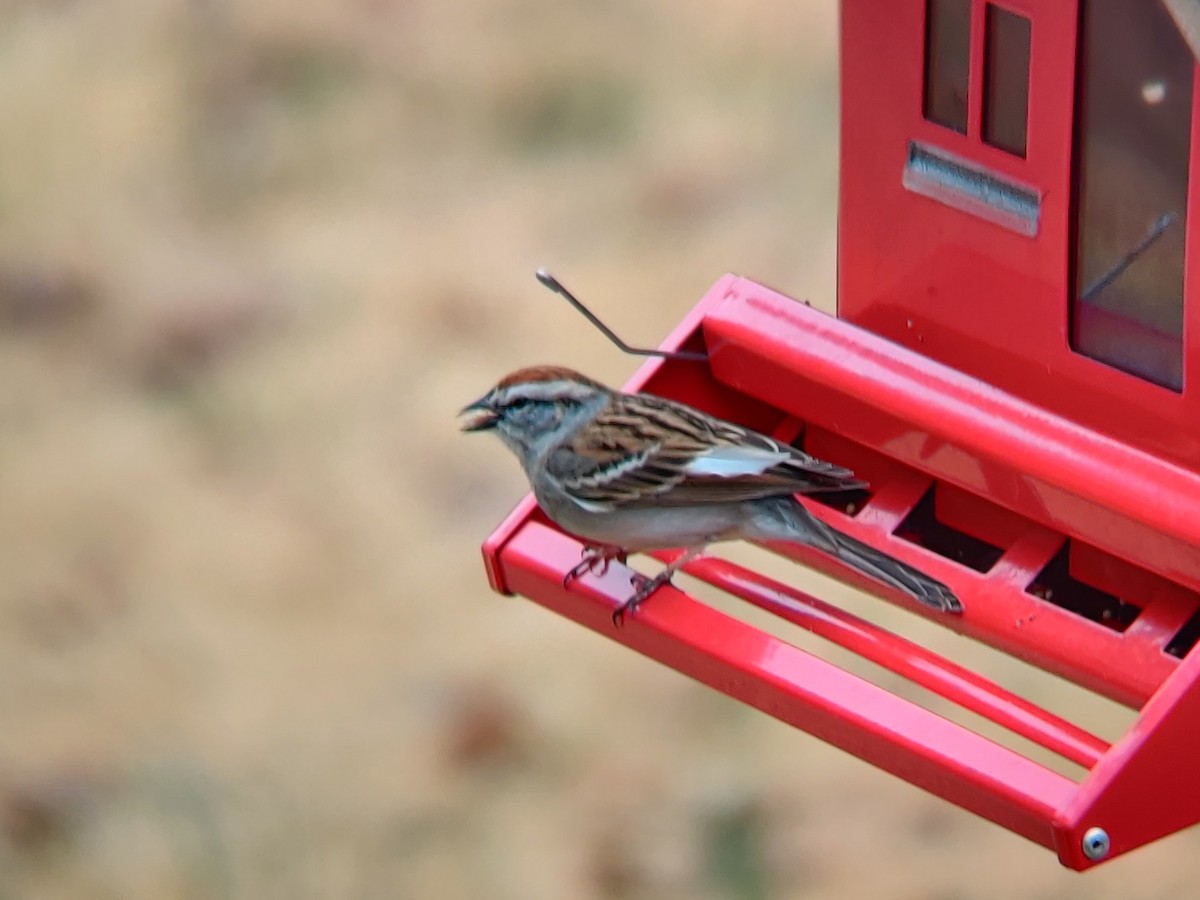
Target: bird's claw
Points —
{"points": [[595, 560], [643, 588]]}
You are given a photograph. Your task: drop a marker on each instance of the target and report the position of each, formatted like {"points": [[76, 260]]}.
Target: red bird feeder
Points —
{"points": [[1016, 370]]}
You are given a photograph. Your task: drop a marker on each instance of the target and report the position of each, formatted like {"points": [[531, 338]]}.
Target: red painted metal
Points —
{"points": [[915, 423], [912, 661], [949, 372], [947, 426], [1146, 787], [796, 687], [986, 300]]}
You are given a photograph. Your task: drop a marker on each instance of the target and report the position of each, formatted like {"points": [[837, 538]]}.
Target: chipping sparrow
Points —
{"points": [[632, 472]]}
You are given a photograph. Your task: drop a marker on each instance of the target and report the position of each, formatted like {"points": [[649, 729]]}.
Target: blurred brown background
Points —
{"points": [[253, 258]]}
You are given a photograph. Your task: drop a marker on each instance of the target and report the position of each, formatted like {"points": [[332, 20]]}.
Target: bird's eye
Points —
{"points": [[519, 403]]}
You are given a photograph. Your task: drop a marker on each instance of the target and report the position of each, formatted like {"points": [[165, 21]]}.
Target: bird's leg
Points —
{"points": [[595, 559], [644, 586]]}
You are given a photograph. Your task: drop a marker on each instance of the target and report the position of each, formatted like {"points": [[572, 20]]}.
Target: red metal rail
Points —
{"points": [[912, 661], [1009, 473]]}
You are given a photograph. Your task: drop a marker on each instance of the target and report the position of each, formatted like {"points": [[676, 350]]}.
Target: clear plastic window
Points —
{"points": [[1133, 132], [1006, 80], [947, 62]]}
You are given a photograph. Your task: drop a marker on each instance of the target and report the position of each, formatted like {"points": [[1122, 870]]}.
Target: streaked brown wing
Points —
{"points": [[646, 450]]}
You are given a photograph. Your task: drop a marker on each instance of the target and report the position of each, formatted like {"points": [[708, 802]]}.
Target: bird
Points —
{"points": [[633, 472]]}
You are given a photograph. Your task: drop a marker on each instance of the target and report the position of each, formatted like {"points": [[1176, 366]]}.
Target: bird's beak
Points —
{"points": [[480, 416]]}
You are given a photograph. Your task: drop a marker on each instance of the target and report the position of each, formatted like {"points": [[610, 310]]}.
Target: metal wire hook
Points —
{"points": [[555, 285]]}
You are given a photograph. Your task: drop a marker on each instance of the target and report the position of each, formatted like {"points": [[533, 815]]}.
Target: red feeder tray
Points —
{"points": [[787, 369]]}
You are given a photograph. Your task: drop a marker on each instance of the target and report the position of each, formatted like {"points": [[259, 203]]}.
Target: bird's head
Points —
{"points": [[534, 407]]}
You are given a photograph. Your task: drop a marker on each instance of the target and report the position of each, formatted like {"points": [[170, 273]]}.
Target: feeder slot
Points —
{"points": [[1185, 639], [925, 528], [1056, 585]]}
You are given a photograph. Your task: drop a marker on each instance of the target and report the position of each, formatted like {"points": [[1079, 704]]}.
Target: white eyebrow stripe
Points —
{"points": [[549, 391], [730, 461]]}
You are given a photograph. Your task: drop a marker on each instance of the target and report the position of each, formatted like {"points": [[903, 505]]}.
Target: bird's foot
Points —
{"points": [[595, 559], [643, 588]]}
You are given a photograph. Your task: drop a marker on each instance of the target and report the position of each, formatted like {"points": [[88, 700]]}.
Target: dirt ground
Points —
{"points": [[253, 259]]}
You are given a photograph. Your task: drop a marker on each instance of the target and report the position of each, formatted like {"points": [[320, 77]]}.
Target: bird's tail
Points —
{"points": [[783, 519]]}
